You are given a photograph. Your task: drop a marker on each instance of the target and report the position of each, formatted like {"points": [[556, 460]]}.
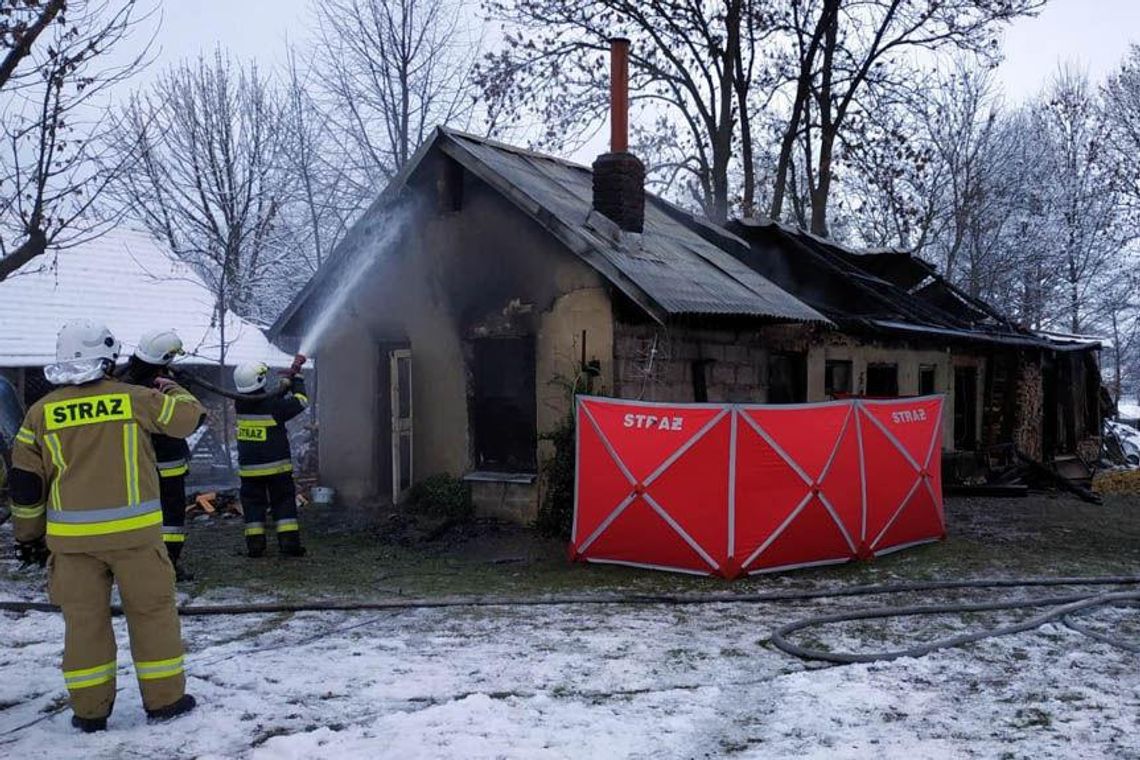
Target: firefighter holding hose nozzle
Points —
{"points": [[265, 461], [151, 360]]}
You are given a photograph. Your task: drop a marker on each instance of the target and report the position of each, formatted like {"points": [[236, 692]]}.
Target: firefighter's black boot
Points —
{"points": [[89, 725], [289, 544], [184, 705], [255, 545], [174, 551]]}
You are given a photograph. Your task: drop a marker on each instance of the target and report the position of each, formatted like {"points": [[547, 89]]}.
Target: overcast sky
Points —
{"points": [[1091, 33]]}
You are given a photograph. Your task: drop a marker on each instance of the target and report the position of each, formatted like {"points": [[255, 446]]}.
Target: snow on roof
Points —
{"points": [[131, 282]]}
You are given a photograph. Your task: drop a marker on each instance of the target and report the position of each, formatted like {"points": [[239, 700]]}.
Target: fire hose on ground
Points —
{"points": [[1062, 608]]}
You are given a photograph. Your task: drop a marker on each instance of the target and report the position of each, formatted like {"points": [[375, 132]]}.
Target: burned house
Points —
{"points": [[488, 284], [902, 329], [497, 289]]}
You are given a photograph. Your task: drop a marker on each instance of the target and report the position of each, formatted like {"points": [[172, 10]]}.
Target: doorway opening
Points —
{"points": [[965, 408]]}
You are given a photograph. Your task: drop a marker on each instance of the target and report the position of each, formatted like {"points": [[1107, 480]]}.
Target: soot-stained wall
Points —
{"points": [[457, 274], [655, 363]]}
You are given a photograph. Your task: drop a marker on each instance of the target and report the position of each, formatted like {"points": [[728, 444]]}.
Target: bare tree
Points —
{"points": [[205, 176], [1085, 205], [1122, 111], [891, 192], [55, 74], [390, 71], [696, 78], [706, 74], [319, 173], [846, 48]]}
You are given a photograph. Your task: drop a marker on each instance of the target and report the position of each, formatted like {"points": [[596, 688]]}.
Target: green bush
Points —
{"points": [[443, 495], [556, 512]]}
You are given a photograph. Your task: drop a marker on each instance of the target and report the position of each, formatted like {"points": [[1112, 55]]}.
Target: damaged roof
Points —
{"points": [[880, 291], [671, 269]]}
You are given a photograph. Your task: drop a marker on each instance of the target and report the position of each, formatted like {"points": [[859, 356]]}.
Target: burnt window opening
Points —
{"points": [[504, 410], [700, 380], [837, 375], [883, 380], [965, 408], [926, 380], [787, 378]]}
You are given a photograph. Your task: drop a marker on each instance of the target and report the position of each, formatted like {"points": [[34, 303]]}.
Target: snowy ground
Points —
{"points": [[592, 681], [586, 682]]}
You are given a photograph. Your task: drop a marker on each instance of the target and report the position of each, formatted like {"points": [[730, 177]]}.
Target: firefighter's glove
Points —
{"points": [[32, 552]]}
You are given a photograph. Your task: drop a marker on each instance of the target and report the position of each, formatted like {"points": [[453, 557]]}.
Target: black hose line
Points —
{"points": [[1064, 606], [1103, 637], [626, 599], [188, 379], [185, 378]]}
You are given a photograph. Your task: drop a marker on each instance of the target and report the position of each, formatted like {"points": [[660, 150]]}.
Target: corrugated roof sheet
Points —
{"points": [[132, 283], [677, 268]]}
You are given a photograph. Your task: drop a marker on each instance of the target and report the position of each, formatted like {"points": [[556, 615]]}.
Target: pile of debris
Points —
{"points": [[1006, 471]]}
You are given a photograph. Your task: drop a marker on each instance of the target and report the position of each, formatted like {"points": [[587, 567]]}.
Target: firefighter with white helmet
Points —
{"points": [[265, 462], [152, 356], [84, 477]]}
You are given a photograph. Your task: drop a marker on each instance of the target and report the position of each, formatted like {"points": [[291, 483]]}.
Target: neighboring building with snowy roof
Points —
{"points": [[133, 283]]}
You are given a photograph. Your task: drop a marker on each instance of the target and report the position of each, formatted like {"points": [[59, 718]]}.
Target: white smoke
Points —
{"points": [[366, 246]]}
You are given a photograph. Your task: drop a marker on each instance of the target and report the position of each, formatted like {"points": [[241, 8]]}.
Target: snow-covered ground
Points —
{"points": [[586, 682]]}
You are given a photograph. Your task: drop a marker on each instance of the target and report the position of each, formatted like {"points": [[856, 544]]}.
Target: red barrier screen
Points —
{"points": [[731, 490]]}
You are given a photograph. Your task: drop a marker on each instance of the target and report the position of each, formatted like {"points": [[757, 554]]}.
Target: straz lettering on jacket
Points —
{"points": [[89, 410], [254, 430]]}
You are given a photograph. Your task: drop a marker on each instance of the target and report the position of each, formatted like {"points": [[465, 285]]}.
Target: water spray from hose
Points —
{"points": [[362, 250]]}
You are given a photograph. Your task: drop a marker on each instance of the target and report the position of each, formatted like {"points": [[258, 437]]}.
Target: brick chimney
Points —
{"points": [[619, 176]]}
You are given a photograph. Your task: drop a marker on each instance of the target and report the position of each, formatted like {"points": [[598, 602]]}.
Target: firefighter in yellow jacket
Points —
{"points": [[83, 474]]}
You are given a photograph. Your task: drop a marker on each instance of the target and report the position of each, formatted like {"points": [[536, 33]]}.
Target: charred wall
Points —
{"points": [[670, 364], [469, 267]]}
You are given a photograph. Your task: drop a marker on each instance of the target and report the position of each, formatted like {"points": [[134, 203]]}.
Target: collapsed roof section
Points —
{"points": [[885, 292]]}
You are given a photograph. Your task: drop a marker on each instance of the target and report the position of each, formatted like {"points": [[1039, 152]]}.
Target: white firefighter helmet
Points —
{"points": [[82, 339], [84, 351], [250, 377], [159, 347]]}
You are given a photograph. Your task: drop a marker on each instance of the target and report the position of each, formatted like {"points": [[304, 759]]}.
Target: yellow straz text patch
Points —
{"points": [[251, 433], [88, 410]]}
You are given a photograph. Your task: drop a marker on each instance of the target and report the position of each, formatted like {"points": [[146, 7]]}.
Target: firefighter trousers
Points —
{"points": [[81, 585], [270, 501], [172, 491]]}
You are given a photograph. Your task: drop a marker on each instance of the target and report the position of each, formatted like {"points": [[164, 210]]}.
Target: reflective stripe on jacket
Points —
{"points": [[172, 455], [91, 446], [262, 440]]}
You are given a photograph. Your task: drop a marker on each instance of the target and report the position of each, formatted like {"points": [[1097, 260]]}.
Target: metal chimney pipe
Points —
{"points": [[619, 176], [619, 95]]}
